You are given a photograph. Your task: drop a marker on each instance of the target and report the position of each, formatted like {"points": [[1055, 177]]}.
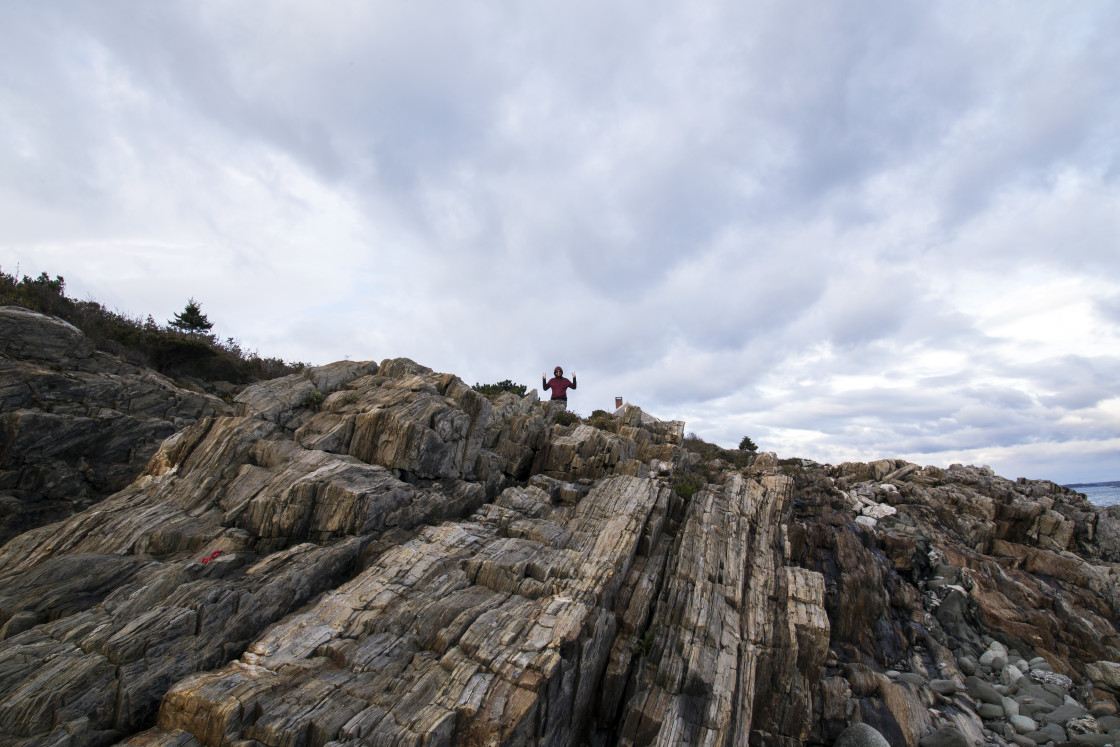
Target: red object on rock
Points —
{"points": [[213, 555]]}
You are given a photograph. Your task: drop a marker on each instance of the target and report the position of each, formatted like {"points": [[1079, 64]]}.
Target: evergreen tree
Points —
{"points": [[747, 444], [192, 320]]}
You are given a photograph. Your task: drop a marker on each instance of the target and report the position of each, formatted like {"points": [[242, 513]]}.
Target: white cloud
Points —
{"points": [[846, 231]]}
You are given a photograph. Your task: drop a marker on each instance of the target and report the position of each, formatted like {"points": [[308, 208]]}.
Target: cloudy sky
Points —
{"points": [[848, 230]]}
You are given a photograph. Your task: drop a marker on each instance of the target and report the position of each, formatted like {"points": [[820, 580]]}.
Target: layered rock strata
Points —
{"points": [[369, 553], [434, 561], [76, 424]]}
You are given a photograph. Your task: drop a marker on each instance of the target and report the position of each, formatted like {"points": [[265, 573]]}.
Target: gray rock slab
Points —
{"points": [[946, 736], [1023, 724]]}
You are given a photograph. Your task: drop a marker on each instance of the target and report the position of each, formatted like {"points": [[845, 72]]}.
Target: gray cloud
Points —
{"points": [[832, 227]]}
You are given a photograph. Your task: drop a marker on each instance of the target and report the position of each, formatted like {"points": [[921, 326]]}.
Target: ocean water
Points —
{"points": [[1100, 493]]}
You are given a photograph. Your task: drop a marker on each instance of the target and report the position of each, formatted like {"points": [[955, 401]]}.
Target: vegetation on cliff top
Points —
{"points": [[492, 391], [182, 348], [703, 462]]}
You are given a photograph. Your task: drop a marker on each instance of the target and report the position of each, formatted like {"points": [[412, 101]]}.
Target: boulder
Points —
{"points": [[982, 691], [1081, 725], [31, 336], [996, 660], [944, 687], [860, 735], [1022, 724], [1009, 675]]}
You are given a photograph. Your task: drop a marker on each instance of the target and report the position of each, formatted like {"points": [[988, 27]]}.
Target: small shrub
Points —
{"points": [[314, 399], [602, 420], [687, 483], [348, 399], [708, 461], [563, 417], [644, 645], [493, 390]]}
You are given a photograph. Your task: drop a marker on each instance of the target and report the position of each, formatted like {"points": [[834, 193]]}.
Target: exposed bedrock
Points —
{"points": [[276, 515], [373, 553], [76, 425]]}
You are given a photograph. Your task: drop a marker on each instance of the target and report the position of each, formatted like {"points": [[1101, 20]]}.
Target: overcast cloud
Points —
{"points": [[849, 231]]}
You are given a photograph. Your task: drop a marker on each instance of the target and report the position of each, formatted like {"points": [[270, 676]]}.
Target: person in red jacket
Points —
{"points": [[559, 385]]}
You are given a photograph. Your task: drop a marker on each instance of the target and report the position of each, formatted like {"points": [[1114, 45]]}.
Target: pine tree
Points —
{"points": [[747, 444], [192, 320]]}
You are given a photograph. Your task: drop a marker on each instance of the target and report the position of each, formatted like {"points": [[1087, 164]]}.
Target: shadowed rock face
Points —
{"points": [[375, 554], [76, 425]]}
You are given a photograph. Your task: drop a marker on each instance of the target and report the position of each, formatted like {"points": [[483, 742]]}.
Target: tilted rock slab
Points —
{"points": [[738, 640], [239, 522], [76, 424], [495, 629]]}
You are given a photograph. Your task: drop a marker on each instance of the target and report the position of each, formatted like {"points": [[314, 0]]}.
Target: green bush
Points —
{"points": [[314, 399], [709, 452], [493, 390], [141, 341], [688, 480], [687, 483], [644, 645], [563, 417], [602, 420]]}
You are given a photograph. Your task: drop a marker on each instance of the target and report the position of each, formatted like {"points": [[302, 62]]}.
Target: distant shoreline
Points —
{"points": [[1109, 484]]}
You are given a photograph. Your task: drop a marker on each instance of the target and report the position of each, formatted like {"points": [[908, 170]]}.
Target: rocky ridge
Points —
{"points": [[373, 553]]}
